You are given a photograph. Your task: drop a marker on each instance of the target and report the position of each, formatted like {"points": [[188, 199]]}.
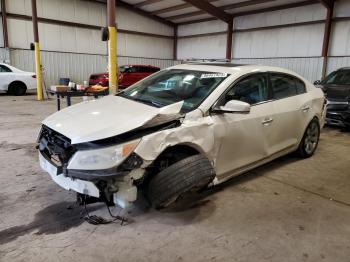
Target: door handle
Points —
{"points": [[305, 109], [267, 121]]}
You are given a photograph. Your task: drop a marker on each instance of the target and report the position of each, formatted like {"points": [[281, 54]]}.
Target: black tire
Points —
{"points": [[17, 89], [309, 142], [191, 173]]}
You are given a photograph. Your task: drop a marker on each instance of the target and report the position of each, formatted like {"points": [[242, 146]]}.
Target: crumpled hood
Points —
{"points": [[107, 117]]}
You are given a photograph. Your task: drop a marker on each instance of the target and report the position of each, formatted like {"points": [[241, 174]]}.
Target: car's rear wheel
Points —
{"points": [[309, 142], [189, 174], [17, 88]]}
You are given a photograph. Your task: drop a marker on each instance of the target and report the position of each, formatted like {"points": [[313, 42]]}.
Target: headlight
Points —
{"points": [[102, 158]]}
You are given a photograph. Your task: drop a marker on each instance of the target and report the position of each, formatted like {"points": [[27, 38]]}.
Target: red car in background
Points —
{"points": [[128, 75]]}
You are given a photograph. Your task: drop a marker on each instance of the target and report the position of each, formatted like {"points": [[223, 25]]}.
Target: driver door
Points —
{"points": [[244, 136]]}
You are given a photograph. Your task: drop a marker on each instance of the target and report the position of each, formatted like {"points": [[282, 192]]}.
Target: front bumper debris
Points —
{"points": [[77, 185], [338, 114]]}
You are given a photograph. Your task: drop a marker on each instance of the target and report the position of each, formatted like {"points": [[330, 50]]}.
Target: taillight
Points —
{"points": [[34, 76]]}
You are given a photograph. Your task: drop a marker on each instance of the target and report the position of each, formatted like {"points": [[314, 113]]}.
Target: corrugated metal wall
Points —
{"points": [[337, 62], [75, 52], [64, 38], [78, 67], [297, 48], [4, 55], [310, 68], [202, 47]]}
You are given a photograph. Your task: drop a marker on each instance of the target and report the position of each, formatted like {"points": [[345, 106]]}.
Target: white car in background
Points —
{"points": [[182, 129], [15, 81]]}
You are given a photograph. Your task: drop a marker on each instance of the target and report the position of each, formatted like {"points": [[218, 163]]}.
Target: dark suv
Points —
{"points": [[337, 91]]}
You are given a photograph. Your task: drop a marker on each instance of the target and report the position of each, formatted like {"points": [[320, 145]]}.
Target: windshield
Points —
{"points": [[341, 77], [171, 86]]}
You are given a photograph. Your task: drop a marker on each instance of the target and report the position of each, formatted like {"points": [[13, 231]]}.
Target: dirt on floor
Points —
{"points": [[288, 210]]}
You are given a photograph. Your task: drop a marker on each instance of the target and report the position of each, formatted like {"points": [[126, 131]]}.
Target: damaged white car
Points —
{"points": [[182, 129]]}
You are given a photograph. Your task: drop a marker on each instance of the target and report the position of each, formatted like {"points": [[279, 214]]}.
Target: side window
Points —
{"points": [[282, 86], [143, 69], [300, 85], [133, 69], [154, 69], [252, 89], [4, 69]]}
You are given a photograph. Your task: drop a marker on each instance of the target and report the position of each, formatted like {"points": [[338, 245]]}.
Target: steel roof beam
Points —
{"points": [[211, 9]]}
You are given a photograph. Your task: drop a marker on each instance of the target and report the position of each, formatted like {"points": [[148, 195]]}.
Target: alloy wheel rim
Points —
{"points": [[311, 138]]}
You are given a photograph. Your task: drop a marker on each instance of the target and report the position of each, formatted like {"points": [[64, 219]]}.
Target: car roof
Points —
{"points": [[142, 66], [222, 64], [234, 69], [229, 67]]}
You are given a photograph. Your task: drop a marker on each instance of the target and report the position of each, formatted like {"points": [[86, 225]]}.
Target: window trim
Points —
{"points": [[285, 74], [223, 94]]}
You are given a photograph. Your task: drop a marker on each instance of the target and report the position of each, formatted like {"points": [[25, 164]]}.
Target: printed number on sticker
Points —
{"points": [[213, 75]]}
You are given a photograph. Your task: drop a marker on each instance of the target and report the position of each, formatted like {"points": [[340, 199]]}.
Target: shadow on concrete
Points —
{"points": [[197, 206], [259, 171], [53, 219]]}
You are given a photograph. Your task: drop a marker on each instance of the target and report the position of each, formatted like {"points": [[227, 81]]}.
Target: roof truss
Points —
{"points": [[211, 9]]}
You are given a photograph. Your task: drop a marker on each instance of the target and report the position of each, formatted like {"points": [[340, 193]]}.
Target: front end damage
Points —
{"points": [[112, 169], [78, 167]]}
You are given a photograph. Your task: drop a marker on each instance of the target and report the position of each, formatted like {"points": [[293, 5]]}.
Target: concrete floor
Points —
{"points": [[288, 210]]}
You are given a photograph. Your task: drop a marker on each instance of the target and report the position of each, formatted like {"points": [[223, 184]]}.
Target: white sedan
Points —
{"points": [[15, 81], [184, 128]]}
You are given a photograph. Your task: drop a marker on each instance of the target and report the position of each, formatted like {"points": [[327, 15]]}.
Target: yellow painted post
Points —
{"points": [[38, 71], [37, 51], [112, 60], [112, 47]]}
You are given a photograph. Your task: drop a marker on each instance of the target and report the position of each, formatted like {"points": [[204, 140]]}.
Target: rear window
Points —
{"points": [[284, 86], [4, 69]]}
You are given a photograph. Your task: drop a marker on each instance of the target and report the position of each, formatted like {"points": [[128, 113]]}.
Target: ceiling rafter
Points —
{"points": [[276, 8], [211, 9], [245, 3], [326, 3], [147, 2], [262, 10], [176, 8], [144, 13], [224, 7]]}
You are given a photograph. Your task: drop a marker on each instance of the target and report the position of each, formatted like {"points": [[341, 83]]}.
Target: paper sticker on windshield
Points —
{"points": [[214, 75]]}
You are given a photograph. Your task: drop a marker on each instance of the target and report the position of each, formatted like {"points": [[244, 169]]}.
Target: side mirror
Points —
{"points": [[233, 106], [317, 82]]}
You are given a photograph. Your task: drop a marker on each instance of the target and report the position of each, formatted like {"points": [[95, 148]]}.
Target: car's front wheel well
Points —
{"points": [[170, 156], [174, 154]]}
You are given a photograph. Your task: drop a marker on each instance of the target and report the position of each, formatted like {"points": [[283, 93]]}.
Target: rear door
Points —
{"points": [[291, 110]]}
